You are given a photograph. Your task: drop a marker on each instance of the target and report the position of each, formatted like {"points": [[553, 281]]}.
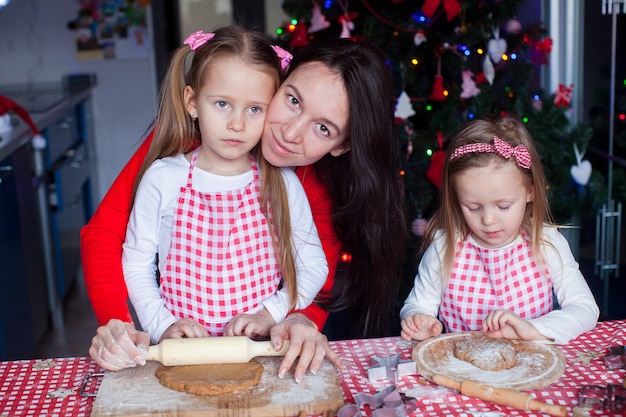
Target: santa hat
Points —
{"points": [[6, 105]]}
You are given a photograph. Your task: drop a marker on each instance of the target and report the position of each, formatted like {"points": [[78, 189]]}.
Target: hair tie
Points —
{"points": [[285, 57], [197, 39], [500, 147]]}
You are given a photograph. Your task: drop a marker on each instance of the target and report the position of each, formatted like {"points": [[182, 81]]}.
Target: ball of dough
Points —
{"points": [[487, 353]]}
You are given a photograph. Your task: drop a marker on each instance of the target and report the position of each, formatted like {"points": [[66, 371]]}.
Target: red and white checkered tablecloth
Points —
{"points": [[433, 400], [46, 387], [51, 387]]}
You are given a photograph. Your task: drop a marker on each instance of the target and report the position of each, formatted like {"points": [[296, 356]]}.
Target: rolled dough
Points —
{"points": [[211, 380]]}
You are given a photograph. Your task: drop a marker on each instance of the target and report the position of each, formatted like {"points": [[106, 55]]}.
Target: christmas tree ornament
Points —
{"points": [[469, 86], [437, 93], [488, 70], [513, 26], [540, 51], [435, 169], [451, 7], [299, 38], [404, 109], [418, 225], [581, 172], [318, 20], [563, 96], [496, 47], [419, 38], [347, 25]]}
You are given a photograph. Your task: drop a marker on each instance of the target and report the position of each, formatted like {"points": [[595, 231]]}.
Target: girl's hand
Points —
{"points": [[508, 325], [251, 325], [420, 326], [306, 342], [185, 328], [118, 345]]}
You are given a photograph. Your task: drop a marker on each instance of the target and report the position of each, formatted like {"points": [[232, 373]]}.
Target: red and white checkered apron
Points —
{"points": [[483, 280], [221, 260]]}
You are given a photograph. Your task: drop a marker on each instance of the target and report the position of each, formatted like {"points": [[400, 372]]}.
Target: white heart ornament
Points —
{"points": [[581, 172], [496, 48]]}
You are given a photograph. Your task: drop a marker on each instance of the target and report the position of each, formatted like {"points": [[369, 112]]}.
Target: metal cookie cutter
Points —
{"points": [[83, 388], [391, 368], [386, 403]]}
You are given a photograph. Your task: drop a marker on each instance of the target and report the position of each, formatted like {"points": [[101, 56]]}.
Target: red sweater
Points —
{"points": [[102, 238]]}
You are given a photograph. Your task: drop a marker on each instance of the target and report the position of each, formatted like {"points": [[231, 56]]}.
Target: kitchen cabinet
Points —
{"points": [[45, 199], [23, 292]]}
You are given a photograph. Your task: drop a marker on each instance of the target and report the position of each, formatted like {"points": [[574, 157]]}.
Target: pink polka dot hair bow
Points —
{"points": [[197, 39], [285, 57], [520, 152]]}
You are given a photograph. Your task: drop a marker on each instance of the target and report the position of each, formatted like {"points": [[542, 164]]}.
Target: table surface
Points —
{"points": [[51, 387]]}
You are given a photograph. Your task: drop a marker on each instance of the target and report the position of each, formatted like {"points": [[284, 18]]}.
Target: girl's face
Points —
{"points": [[493, 201], [231, 107], [307, 118]]}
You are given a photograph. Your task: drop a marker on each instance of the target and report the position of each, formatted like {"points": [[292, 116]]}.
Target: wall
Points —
{"points": [[36, 46]]}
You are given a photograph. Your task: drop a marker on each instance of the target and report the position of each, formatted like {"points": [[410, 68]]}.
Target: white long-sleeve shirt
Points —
{"points": [[149, 233], [578, 311]]}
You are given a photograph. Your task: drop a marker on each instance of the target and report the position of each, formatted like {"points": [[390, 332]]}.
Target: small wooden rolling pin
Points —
{"points": [[211, 350], [501, 396]]}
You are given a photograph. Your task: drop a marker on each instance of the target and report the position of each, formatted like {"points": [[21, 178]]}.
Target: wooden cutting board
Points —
{"points": [[536, 365], [137, 392]]}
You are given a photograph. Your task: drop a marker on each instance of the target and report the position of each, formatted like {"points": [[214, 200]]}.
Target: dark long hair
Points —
{"points": [[365, 185]]}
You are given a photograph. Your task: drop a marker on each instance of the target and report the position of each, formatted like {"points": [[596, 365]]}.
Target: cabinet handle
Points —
{"points": [[5, 172]]}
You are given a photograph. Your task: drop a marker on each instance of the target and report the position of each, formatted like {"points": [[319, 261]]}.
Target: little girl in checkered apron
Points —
{"points": [[208, 215], [494, 262]]}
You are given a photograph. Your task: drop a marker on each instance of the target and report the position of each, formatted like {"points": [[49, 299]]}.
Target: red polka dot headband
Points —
{"points": [[500, 147]]}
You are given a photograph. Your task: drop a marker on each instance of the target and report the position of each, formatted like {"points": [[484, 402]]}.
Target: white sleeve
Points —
{"points": [[578, 311], [427, 292], [310, 260], [140, 253]]}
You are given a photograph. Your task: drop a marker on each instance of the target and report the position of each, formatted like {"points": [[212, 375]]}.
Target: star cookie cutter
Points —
{"points": [[391, 368]]}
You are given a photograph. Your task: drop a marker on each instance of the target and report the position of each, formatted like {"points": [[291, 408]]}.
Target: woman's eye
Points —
{"points": [[323, 129], [473, 209], [504, 208]]}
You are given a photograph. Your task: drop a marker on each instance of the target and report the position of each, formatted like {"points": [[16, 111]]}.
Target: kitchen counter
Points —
{"points": [[46, 103], [53, 386]]}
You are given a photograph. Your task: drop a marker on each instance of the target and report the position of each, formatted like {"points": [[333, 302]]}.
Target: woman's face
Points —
{"points": [[307, 118]]}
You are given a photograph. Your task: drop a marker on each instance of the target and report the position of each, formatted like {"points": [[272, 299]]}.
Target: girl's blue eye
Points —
{"points": [[255, 109], [221, 104]]}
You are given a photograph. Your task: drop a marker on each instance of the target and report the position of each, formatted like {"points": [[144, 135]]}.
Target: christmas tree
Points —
{"points": [[454, 60]]}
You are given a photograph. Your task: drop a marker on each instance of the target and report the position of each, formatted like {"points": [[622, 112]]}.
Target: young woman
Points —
{"points": [[332, 118], [494, 259]]}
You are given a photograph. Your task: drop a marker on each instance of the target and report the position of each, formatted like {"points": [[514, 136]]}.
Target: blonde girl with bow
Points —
{"points": [[494, 262], [225, 232]]}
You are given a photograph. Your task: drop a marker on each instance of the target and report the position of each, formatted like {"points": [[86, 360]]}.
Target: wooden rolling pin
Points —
{"points": [[211, 350], [501, 396]]}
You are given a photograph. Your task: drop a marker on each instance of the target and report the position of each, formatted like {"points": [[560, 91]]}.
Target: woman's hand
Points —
{"points": [[184, 328], [304, 341], [251, 325], [508, 325], [420, 326], [118, 345]]}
